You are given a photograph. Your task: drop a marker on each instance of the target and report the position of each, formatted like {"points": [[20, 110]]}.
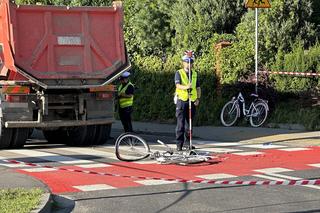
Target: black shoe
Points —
{"points": [[179, 148]]}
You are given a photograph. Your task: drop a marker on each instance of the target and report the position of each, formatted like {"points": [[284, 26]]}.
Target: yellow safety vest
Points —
{"points": [[125, 102], [183, 94]]}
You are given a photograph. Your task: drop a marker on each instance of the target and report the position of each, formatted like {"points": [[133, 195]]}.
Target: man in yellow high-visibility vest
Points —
{"points": [[183, 87], [125, 97]]}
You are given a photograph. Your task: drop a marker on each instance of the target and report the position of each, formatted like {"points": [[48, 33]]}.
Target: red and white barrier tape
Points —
{"points": [[292, 73], [215, 182]]}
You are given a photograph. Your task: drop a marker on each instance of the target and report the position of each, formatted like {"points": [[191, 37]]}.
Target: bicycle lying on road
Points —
{"points": [[131, 147], [257, 112]]}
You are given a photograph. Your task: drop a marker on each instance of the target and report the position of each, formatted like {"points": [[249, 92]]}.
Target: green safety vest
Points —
{"points": [[183, 94], [125, 102]]}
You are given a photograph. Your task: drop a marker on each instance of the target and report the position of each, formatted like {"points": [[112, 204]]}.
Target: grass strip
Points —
{"points": [[19, 200]]}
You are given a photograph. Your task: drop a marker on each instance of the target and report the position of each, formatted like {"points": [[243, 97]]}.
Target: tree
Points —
{"points": [[279, 27], [195, 21], [147, 27], [315, 18]]}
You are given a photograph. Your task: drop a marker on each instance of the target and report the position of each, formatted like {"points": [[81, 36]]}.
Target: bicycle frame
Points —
{"points": [[184, 157], [240, 99]]}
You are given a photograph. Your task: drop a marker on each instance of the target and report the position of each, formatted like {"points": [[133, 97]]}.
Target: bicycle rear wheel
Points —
{"points": [[258, 114], [229, 113], [131, 147]]}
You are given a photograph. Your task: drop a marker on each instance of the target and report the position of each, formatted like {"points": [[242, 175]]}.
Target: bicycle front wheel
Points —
{"points": [[131, 147], [258, 114], [229, 113]]}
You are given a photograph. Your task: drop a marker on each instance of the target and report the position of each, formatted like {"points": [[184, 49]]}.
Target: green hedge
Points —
{"points": [[154, 79], [299, 60]]}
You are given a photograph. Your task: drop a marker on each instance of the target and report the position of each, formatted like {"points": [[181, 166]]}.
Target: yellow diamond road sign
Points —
{"points": [[258, 4]]}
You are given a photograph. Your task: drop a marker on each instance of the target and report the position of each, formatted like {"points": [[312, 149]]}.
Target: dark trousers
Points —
{"points": [[125, 117], [182, 114]]}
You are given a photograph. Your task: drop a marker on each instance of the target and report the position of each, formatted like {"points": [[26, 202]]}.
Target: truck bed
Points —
{"points": [[59, 45]]}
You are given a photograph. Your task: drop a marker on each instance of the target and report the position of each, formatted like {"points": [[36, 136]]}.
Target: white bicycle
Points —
{"points": [[131, 147], [257, 112]]}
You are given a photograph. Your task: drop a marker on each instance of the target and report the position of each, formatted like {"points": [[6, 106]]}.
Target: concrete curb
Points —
{"points": [[45, 204], [62, 203]]}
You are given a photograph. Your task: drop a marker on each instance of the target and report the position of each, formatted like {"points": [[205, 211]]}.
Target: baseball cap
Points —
{"points": [[185, 58]]}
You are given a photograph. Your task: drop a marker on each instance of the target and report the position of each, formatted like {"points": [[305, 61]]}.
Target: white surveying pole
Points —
{"points": [[256, 50], [190, 107]]}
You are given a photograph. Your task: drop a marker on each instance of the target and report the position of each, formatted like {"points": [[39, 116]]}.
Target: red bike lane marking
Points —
{"points": [[62, 181]]}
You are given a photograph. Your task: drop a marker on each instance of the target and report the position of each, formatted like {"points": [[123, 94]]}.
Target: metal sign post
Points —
{"points": [[257, 4]]}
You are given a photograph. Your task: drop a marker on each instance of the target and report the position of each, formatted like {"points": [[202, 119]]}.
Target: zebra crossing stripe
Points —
{"points": [[276, 181]]}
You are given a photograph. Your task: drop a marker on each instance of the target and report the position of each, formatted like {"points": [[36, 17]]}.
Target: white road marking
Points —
{"points": [[154, 182], [268, 177], [145, 162], [220, 150], [94, 165], [216, 176], [248, 153], [68, 160], [32, 153], [273, 170], [172, 146], [315, 165], [294, 149], [94, 187], [39, 169], [93, 152], [50, 157], [88, 151], [13, 165], [285, 176], [200, 142], [261, 146], [225, 144]]}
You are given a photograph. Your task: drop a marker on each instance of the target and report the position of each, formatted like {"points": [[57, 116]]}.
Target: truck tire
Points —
{"points": [[91, 132], [19, 137], [30, 132], [102, 134], [55, 136], [5, 136], [76, 136], [81, 136]]}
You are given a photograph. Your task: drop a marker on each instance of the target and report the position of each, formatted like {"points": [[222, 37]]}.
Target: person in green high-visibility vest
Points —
{"points": [[125, 98], [184, 90]]}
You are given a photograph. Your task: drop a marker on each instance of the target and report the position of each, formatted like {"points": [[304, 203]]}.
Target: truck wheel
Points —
{"points": [[102, 134], [19, 137], [55, 136], [5, 136], [92, 129], [30, 132], [76, 136]]}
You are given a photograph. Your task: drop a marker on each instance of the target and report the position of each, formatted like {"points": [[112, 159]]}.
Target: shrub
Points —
{"points": [[299, 60]]}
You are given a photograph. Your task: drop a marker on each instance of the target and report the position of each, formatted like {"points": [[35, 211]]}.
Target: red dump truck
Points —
{"points": [[57, 65]]}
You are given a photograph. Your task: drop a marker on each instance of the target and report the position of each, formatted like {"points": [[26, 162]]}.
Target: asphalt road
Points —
{"points": [[117, 194]]}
